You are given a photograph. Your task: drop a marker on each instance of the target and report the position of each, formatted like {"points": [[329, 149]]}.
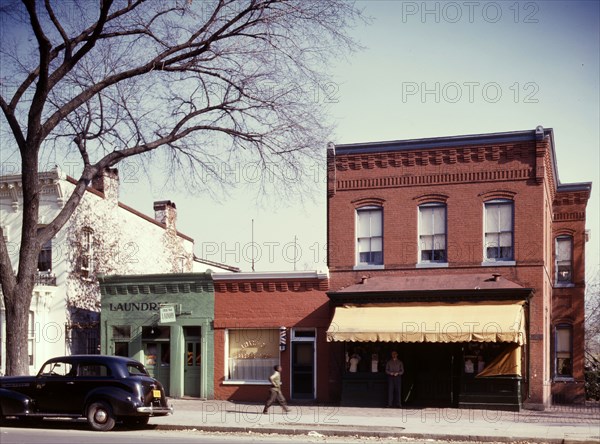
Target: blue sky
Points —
{"points": [[428, 69]]}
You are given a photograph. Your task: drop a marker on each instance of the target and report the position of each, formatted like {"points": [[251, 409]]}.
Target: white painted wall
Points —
{"points": [[124, 242]]}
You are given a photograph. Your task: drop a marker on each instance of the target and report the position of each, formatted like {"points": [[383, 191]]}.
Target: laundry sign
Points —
{"points": [[167, 314]]}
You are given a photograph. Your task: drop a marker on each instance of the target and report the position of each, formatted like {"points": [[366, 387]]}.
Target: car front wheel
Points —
{"points": [[100, 416]]}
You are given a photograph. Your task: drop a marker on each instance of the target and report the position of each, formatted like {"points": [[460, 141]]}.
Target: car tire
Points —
{"points": [[100, 416], [136, 422]]}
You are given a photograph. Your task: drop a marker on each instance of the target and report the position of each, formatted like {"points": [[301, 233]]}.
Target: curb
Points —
{"points": [[371, 433]]}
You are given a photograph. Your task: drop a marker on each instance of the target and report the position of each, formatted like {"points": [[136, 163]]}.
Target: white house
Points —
{"points": [[104, 236]]}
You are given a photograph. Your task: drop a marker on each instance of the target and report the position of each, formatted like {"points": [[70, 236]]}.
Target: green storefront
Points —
{"points": [[164, 321]]}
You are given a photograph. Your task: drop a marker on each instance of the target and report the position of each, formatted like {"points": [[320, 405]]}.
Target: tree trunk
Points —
{"points": [[17, 316]]}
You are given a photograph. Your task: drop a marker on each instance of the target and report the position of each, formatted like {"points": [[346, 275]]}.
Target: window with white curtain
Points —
{"points": [[564, 264], [563, 351], [252, 354], [499, 231], [432, 233], [369, 228]]}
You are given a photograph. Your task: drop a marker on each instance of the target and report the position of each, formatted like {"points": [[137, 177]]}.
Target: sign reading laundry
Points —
{"points": [[135, 306]]}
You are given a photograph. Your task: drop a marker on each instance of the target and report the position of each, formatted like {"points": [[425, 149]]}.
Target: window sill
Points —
{"points": [[368, 267], [242, 382], [565, 285], [564, 379], [432, 265], [499, 263]]}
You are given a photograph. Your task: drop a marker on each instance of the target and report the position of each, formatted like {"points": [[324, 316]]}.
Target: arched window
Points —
{"points": [[563, 266], [369, 235]]}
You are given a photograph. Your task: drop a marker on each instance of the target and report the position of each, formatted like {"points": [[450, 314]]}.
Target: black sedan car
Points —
{"points": [[102, 389]]}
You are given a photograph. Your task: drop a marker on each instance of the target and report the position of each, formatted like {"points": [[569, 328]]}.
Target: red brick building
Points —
{"points": [[265, 319], [433, 242]]}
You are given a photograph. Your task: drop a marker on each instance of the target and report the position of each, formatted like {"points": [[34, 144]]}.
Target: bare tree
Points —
{"points": [[203, 81]]}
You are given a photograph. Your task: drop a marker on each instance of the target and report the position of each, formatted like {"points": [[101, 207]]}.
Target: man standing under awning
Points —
{"points": [[394, 369]]}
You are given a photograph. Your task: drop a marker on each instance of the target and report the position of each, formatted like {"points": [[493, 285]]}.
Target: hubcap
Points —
{"points": [[100, 415]]}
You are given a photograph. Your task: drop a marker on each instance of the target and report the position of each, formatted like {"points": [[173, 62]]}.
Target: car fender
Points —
{"points": [[123, 403], [14, 403]]}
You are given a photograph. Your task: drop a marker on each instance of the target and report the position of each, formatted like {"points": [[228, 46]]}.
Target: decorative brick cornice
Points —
{"points": [[569, 216], [438, 156], [436, 179], [571, 198], [279, 286], [164, 288]]}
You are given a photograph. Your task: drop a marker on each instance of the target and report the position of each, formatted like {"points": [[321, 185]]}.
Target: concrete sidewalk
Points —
{"points": [[559, 424]]}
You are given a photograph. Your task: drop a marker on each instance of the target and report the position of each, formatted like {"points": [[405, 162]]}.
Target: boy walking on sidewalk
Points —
{"points": [[276, 394]]}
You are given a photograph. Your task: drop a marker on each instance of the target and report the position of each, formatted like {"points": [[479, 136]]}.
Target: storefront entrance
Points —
{"points": [[157, 353], [192, 361], [303, 364], [431, 374]]}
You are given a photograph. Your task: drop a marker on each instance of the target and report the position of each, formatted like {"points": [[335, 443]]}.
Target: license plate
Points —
{"points": [[156, 393]]}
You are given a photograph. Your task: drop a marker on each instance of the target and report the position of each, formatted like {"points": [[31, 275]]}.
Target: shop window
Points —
{"points": [[563, 353], [499, 231], [432, 233], [121, 335], [564, 260], [252, 353], [369, 228]]}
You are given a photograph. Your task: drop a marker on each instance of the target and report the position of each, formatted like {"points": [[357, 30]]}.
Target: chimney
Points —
{"points": [[165, 212], [107, 183]]}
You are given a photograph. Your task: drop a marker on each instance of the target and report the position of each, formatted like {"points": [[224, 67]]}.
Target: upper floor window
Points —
{"points": [[45, 257], [499, 230], [31, 338], [564, 260], [432, 233], [563, 351], [86, 264], [369, 228]]}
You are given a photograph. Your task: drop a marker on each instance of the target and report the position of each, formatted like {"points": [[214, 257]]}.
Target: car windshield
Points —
{"points": [[136, 369], [57, 369]]}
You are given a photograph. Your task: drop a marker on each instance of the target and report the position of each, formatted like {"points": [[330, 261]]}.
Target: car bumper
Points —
{"points": [[156, 411]]}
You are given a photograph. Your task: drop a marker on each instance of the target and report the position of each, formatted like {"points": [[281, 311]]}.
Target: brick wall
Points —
{"points": [[271, 304], [399, 179]]}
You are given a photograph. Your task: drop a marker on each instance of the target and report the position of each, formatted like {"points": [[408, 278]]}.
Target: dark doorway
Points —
{"points": [[303, 370], [431, 375]]}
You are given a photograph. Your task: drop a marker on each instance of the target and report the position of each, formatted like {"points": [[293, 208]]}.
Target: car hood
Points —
{"points": [[15, 381]]}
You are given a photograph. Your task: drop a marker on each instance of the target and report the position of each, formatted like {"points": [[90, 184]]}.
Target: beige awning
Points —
{"points": [[425, 322], [506, 363]]}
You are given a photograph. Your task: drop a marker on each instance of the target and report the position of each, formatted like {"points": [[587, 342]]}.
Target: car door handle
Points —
{"points": [[70, 383]]}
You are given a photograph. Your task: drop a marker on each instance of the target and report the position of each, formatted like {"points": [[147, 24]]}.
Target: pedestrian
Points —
{"points": [[275, 393], [394, 370]]}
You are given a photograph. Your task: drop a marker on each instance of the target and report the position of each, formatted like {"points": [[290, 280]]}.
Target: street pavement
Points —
{"points": [[558, 424]]}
